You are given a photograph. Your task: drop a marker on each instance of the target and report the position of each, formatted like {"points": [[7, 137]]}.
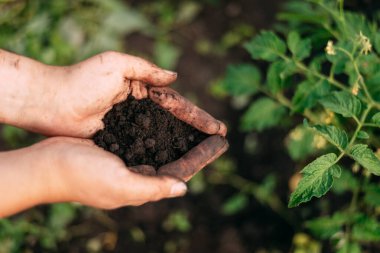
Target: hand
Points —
{"points": [[86, 91], [205, 152], [81, 171], [92, 87], [71, 101], [95, 85], [92, 113]]}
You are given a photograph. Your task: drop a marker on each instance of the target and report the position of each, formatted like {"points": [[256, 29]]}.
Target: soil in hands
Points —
{"points": [[141, 132]]}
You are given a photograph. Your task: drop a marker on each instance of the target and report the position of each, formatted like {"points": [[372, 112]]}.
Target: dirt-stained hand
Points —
{"points": [[109, 78], [205, 152], [84, 92], [77, 170]]}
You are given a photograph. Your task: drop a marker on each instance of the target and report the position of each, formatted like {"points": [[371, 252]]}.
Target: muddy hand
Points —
{"points": [[186, 111], [205, 152], [196, 159], [72, 100], [81, 171]]}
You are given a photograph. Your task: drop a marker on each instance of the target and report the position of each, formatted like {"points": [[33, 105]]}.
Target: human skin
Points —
{"points": [[52, 171], [71, 101], [77, 96]]}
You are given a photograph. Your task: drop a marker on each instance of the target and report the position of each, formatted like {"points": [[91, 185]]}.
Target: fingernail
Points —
{"points": [[170, 72], [178, 189]]}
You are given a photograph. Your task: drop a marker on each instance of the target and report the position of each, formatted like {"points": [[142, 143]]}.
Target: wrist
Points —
{"points": [[21, 184], [49, 168], [26, 89]]}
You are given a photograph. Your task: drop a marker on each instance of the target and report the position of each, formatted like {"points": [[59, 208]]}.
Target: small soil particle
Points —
{"points": [[142, 133]]}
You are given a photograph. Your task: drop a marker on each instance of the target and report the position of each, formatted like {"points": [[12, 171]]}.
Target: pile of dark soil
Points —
{"points": [[141, 132]]}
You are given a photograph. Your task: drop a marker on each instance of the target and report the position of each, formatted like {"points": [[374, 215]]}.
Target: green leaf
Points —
{"points": [[177, 220], [350, 247], [325, 227], [300, 49], [366, 158], [376, 118], [300, 143], [265, 191], [372, 195], [363, 135], [197, 184], [317, 179], [187, 12], [332, 134], [12, 135], [374, 87], [277, 74], [166, 54], [125, 20], [242, 79], [61, 215], [366, 229], [340, 59], [262, 114], [266, 46], [235, 204], [308, 93], [343, 103], [346, 182]]}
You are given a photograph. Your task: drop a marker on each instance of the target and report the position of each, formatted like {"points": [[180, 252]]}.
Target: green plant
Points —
{"points": [[322, 64]]}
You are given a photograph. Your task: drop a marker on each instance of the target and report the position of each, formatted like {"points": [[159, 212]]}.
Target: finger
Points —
{"points": [[145, 170], [139, 69], [141, 189], [138, 89], [186, 111], [196, 159]]}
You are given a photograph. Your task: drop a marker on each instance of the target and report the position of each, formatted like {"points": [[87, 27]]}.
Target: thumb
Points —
{"points": [[142, 189], [139, 69]]}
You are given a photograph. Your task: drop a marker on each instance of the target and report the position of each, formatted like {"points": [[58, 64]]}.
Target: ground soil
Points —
{"points": [[142, 133]]}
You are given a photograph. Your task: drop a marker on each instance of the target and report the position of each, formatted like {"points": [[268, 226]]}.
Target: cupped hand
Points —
{"points": [[205, 152], [81, 94], [85, 92], [97, 84], [73, 101], [77, 170]]}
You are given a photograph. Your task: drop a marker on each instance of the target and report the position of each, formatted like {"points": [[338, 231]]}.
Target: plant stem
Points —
{"points": [[360, 77], [371, 125], [287, 103], [358, 128], [341, 9], [249, 187], [334, 82]]}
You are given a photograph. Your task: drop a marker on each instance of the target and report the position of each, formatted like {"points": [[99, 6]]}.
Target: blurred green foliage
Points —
{"points": [[63, 32], [57, 32], [48, 230], [322, 64]]}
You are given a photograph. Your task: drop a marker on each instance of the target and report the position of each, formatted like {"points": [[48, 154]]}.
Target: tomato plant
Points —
{"points": [[322, 64]]}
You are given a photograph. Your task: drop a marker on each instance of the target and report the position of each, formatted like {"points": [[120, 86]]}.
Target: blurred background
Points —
{"points": [[237, 204]]}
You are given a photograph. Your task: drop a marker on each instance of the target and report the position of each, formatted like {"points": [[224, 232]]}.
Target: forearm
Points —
{"points": [[21, 184], [24, 88]]}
